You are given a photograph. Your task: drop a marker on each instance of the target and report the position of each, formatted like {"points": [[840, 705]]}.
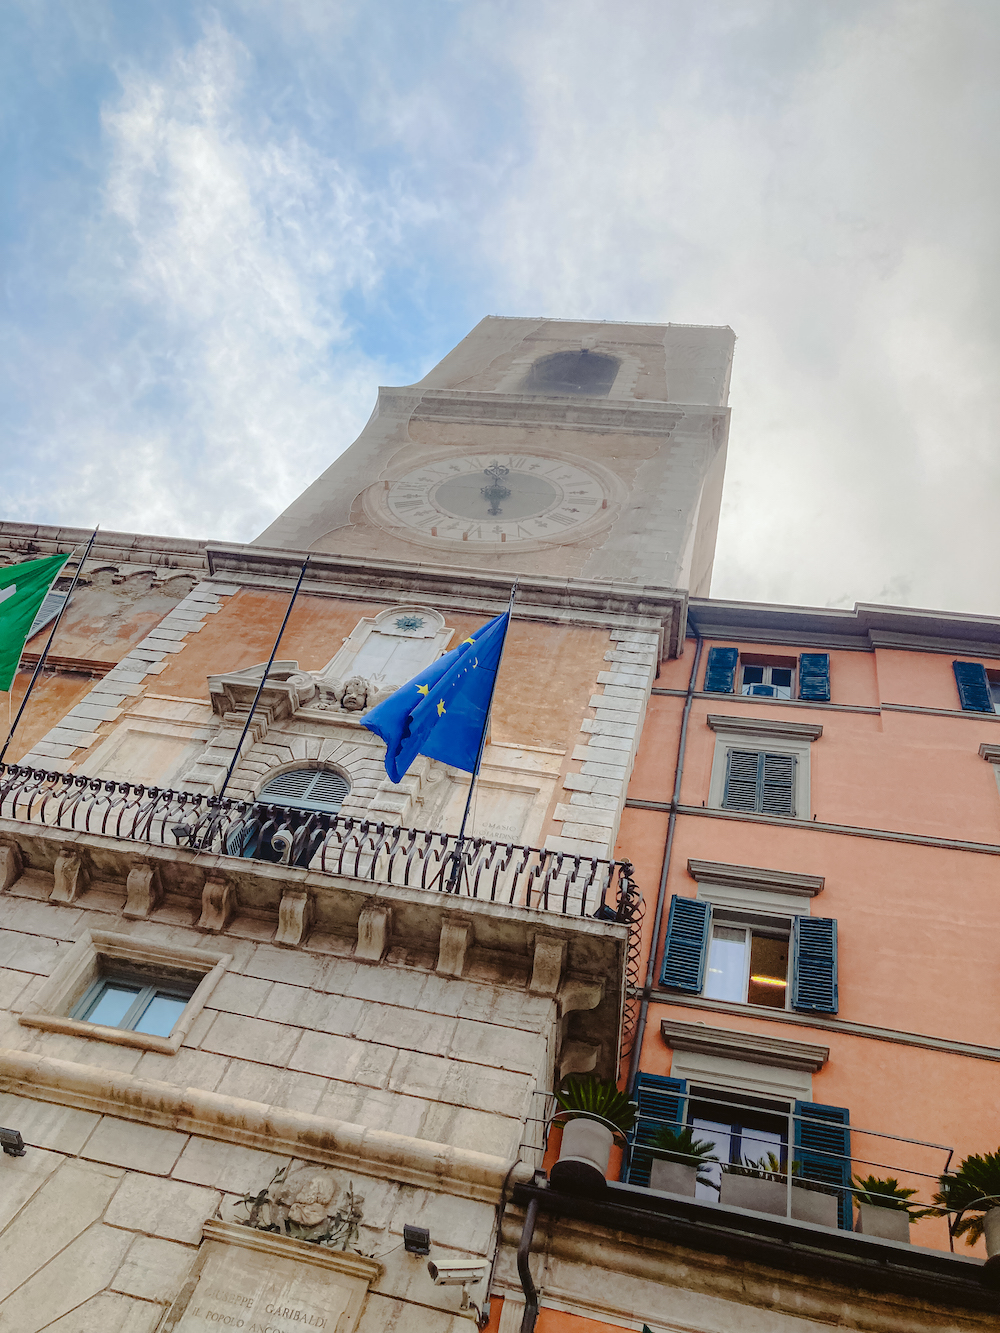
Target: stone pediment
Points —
{"points": [[287, 690]]}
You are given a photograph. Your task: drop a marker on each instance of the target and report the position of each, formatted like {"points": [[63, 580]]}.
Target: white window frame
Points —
{"points": [[764, 926], [97, 953], [757, 666], [731, 740]]}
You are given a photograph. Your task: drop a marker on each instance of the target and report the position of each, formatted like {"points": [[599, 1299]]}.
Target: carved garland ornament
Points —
{"points": [[304, 1205]]}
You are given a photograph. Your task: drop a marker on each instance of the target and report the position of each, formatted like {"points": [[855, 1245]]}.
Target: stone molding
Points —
{"points": [[269, 1129], [754, 1047], [765, 727], [518, 409], [990, 752], [266, 1243], [81, 966], [539, 597], [754, 877]]}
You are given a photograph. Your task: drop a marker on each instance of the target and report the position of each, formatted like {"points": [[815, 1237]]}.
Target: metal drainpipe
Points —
{"points": [[524, 1272], [654, 946]]}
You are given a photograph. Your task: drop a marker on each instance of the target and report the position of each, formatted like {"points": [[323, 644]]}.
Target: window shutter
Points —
{"points": [[814, 964], [777, 784], [814, 677], [824, 1151], [973, 687], [307, 789], [720, 671], [687, 944], [52, 604], [661, 1102], [760, 783], [741, 780]]}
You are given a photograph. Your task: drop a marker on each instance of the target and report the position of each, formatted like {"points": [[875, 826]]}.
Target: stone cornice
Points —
{"points": [[990, 752], [515, 409], [269, 1129], [564, 601], [753, 877], [753, 1047], [765, 726]]}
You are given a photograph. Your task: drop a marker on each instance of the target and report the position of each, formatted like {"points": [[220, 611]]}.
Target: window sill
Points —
{"points": [[82, 966]]}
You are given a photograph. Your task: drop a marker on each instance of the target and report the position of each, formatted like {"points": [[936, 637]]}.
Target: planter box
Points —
{"points": [[771, 1196], [582, 1167], [887, 1223], [675, 1178]]}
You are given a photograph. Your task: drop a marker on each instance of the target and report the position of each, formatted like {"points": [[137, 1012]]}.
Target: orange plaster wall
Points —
{"points": [[103, 621], [55, 693], [548, 674]]}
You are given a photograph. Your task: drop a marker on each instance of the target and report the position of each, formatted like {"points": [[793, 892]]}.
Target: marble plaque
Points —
{"points": [[257, 1282]]}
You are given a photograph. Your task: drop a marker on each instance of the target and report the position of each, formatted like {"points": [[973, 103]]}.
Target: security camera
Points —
{"points": [[463, 1273]]}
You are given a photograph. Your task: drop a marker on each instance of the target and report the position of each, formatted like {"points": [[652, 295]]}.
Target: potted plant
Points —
{"points": [[883, 1209], [594, 1111], [972, 1193], [763, 1187], [681, 1156]]}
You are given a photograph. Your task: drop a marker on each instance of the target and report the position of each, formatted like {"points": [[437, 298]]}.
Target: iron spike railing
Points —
{"points": [[492, 871]]}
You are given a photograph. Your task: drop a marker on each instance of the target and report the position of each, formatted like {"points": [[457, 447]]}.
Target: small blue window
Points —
{"points": [[133, 1006]]}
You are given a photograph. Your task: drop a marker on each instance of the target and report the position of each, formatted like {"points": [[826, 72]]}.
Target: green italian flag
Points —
{"points": [[22, 592]]}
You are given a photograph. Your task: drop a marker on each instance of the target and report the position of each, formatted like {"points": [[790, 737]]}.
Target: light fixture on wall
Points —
{"points": [[12, 1143], [416, 1240]]}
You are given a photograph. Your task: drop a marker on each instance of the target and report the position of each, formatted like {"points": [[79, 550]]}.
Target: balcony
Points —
{"points": [[563, 926]]}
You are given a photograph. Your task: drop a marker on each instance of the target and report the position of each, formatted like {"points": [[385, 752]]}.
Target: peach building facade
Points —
{"points": [[268, 1057]]}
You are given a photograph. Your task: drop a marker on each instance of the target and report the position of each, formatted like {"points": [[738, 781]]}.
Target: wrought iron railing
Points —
{"points": [[480, 868]]}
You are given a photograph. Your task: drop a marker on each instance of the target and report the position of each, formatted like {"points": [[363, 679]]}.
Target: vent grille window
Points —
{"points": [[51, 606], [307, 789], [760, 783]]}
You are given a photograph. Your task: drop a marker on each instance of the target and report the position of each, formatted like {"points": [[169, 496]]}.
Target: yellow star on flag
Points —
{"points": [[423, 689], [468, 641], [441, 708]]}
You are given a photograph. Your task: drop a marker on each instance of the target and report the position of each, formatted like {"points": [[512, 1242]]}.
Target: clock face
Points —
{"points": [[496, 498]]}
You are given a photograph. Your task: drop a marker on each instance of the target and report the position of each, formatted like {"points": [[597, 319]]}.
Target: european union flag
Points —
{"points": [[441, 713]]}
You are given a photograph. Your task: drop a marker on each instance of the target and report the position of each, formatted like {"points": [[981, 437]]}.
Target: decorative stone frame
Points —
{"points": [[742, 1062], [433, 630], [82, 966], [777, 737], [750, 889]]}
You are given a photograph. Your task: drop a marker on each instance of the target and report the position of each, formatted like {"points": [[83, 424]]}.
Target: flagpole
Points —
{"points": [[457, 856], [263, 679], [45, 651]]}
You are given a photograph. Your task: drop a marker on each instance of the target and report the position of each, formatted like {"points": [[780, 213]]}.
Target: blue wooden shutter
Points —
{"points": [[973, 687], [687, 944], [814, 677], [824, 1151], [720, 672], [661, 1102], [814, 964], [760, 783]]}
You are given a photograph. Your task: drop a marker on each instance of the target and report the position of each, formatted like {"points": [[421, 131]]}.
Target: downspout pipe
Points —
{"points": [[530, 1316], [654, 944]]}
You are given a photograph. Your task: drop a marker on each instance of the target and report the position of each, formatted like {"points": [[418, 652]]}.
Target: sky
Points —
{"points": [[222, 226]]}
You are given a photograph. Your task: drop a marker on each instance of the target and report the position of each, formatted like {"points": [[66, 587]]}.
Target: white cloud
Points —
{"points": [[823, 178], [223, 376]]}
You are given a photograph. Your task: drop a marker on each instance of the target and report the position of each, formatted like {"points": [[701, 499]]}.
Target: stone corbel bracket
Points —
{"points": [[218, 900], [287, 690], [295, 916], [456, 938], [143, 889], [70, 876], [374, 932], [11, 863]]}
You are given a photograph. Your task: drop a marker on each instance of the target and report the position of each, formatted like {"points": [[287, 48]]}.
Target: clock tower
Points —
{"points": [[593, 451]]}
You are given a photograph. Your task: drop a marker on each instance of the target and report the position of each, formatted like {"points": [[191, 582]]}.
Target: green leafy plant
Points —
{"points": [[974, 1189], [681, 1146], [886, 1192], [764, 1168], [598, 1097]]}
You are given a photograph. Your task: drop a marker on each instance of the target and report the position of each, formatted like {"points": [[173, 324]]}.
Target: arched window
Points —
{"points": [[306, 789], [293, 803], [583, 372]]}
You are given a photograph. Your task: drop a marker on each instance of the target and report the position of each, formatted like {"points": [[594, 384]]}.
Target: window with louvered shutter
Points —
{"points": [[974, 692], [720, 670], [52, 604], [814, 964], [307, 789], [823, 1147], [661, 1102], [814, 677], [687, 944], [760, 782]]}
